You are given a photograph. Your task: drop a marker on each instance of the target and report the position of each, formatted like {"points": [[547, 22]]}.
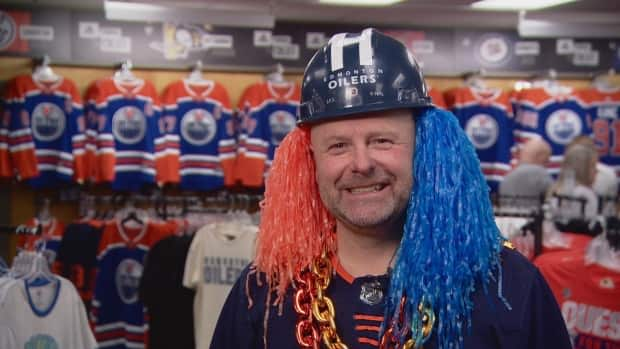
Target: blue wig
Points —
{"points": [[450, 243]]}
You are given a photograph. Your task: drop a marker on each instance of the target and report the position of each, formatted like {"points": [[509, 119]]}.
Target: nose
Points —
{"points": [[362, 161]]}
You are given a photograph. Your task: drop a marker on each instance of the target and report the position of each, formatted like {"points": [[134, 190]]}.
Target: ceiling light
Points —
{"points": [[530, 28], [360, 2], [575, 27], [512, 5], [143, 12]]}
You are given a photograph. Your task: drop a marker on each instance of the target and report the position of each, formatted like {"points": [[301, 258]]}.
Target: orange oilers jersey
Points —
{"points": [[200, 141], [130, 140], [46, 132], [269, 112]]}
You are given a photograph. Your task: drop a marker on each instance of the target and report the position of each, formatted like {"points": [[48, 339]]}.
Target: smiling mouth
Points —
{"points": [[368, 189]]}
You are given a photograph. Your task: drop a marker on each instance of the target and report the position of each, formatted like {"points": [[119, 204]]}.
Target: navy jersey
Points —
{"points": [[117, 312], [534, 320], [486, 117], [77, 258]]}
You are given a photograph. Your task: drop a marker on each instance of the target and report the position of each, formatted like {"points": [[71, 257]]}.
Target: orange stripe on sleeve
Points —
{"points": [[367, 328], [368, 317], [365, 340]]}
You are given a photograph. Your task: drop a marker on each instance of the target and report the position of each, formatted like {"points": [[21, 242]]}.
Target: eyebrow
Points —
{"points": [[371, 134]]}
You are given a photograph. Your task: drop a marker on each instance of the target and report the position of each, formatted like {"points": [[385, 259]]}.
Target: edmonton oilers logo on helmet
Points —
{"points": [[7, 30], [48, 122], [127, 280], [356, 70], [281, 123], [482, 131], [41, 341], [198, 126], [563, 125], [129, 125]]}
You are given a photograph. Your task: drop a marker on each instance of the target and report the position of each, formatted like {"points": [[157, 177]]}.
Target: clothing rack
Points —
{"points": [[21, 230], [519, 206], [164, 204], [582, 201], [612, 232]]}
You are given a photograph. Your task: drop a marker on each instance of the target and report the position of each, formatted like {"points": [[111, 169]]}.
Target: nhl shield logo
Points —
{"points": [[198, 127], [127, 280], [371, 293], [563, 125], [48, 122], [493, 49], [482, 131], [281, 123], [129, 125]]}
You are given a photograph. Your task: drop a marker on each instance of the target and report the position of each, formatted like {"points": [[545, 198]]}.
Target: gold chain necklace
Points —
{"points": [[316, 312]]}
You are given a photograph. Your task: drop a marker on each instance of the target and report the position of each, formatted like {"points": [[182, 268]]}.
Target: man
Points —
{"points": [[376, 228], [530, 178]]}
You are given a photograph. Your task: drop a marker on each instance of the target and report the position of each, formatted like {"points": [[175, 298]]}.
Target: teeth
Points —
{"points": [[369, 189]]}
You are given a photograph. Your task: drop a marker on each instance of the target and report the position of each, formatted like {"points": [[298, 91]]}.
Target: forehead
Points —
{"points": [[396, 121]]}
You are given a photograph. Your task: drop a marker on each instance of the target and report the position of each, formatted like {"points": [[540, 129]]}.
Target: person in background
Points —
{"points": [[575, 181], [377, 229], [530, 178], [605, 181]]}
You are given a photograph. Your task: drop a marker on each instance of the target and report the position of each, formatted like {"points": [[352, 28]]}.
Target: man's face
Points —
{"points": [[364, 167]]}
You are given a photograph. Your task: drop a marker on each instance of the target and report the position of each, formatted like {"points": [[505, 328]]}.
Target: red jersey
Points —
{"points": [[589, 297]]}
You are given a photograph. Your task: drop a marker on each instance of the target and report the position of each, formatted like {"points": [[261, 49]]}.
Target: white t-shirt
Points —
{"points": [[46, 316], [218, 254], [7, 338], [606, 181]]}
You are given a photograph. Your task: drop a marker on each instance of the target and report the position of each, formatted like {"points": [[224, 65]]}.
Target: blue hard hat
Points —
{"points": [[358, 73]]}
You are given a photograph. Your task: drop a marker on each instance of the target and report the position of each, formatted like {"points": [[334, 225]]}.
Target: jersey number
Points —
{"points": [[607, 136]]}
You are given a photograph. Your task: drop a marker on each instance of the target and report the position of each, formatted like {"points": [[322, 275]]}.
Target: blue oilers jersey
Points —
{"points": [[533, 320], [556, 116], [603, 108], [130, 143], [117, 312], [200, 142], [486, 117], [268, 114], [46, 132]]}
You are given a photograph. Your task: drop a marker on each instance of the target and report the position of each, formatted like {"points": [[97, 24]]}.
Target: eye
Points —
{"points": [[382, 142], [337, 146]]}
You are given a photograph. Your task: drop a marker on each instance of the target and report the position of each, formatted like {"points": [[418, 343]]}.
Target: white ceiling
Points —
{"points": [[410, 13]]}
